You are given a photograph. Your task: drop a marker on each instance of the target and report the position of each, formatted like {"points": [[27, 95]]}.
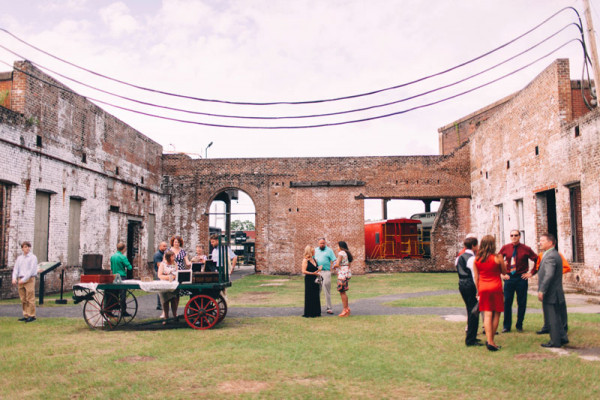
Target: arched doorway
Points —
{"points": [[232, 215]]}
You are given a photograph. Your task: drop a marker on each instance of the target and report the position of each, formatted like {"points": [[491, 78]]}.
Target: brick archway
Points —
{"points": [[299, 199]]}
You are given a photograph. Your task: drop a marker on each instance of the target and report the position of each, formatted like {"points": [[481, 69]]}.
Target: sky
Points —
{"points": [[293, 51]]}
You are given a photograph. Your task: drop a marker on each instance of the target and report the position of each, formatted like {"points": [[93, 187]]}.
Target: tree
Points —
{"points": [[246, 225]]}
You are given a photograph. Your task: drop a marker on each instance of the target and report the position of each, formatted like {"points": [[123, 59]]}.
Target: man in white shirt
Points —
{"points": [[214, 241], [468, 291], [24, 274]]}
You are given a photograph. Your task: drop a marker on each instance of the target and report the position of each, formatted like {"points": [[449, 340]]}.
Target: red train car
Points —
{"points": [[392, 239]]}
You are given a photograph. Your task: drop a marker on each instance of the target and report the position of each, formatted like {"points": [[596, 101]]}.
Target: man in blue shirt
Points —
{"points": [[325, 259]]}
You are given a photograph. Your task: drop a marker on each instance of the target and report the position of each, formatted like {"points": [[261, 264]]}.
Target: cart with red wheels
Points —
{"points": [[110, 305]]}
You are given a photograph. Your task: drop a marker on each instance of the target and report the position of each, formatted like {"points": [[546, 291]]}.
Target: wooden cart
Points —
{"points": [[109, 305]]}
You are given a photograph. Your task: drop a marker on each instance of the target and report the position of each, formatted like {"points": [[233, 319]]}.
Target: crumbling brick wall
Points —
{"points": [[298, 200], [534, 145], [58, 142]]}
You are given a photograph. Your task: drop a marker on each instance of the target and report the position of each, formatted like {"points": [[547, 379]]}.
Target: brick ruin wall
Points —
{"points": [[81, 148], [298, 200], [532, 146]]}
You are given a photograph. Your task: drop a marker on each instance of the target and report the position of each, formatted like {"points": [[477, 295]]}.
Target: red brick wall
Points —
{"points": [[458, 132], [5, 89], [578, 105], [288, 218]]}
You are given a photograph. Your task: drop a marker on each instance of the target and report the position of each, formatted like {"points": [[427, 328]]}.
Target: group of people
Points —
{"points": [[317, 265], [481, 271], [168, 262]]}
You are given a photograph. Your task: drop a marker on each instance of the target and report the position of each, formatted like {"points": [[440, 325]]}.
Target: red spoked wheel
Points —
{"points": [[202, 312]]}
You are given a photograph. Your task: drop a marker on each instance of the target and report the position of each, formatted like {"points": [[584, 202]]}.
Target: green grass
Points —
{"points": [[377, 357], [359, 357], [288, 291], [450, 300]]}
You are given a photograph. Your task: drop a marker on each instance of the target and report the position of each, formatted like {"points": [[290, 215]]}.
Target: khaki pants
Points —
{"points": [[326, 287], [27, 295]]}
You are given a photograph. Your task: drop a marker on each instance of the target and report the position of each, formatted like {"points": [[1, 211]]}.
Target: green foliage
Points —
{"points": [[246, 225]]}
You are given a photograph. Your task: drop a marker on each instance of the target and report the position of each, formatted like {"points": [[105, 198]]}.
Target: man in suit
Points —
{"points": [[550, 290], [468, 291]]}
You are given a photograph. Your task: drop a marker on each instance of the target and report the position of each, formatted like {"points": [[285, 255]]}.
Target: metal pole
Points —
{"points": [[592, 41]]}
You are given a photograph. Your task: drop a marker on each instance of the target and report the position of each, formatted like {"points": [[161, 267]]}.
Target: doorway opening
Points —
{"points": [[546, 212], [133, 243], [232, 216]]}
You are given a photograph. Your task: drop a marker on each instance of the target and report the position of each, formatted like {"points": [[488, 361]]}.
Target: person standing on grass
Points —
{"points": [[325, 259], [488, 268], [230, 258], [167, 271], [566, 268], [181, 257], [24, 274], [517, 256], [159, 256], [312, 299], [550, 291], [119, 265], [342, 266], [468, 291]]}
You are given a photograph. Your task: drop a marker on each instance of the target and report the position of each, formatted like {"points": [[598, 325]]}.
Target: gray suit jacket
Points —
{"points": [[550, 278]]}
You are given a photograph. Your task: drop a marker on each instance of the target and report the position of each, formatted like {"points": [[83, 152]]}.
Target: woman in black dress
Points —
{"points": [[312, 298]]}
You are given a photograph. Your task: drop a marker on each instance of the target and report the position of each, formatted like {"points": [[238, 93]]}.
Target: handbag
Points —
{"points": [[319, 280]]}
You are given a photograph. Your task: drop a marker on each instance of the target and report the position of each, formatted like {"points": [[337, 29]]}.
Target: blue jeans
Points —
{"points": [[519, 285]]}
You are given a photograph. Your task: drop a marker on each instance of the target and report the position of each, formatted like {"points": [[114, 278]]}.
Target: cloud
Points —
{"points": [[119, 20]]}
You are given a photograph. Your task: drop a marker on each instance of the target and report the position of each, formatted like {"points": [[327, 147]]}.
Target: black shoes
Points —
{"points": [[23, 319], [505, 330], [520, 330], [474, 344], [549, 344], [30, 319], [491, 347], [542, 332]]}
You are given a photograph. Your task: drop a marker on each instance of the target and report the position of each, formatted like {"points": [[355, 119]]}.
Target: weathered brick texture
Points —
{"points": [[541, 139], [298, 200], [60, 143]]}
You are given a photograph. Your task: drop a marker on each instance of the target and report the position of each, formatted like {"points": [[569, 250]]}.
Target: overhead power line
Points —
{"points": [[188, 111], [314, 125], [293, 102]]}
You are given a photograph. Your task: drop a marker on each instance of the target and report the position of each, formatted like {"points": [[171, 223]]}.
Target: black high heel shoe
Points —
{"points": [[491, 348]]}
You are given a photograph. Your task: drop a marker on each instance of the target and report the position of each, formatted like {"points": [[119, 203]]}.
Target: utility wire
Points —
{"points": [[297, 116], [293, 102], [304, 126]]}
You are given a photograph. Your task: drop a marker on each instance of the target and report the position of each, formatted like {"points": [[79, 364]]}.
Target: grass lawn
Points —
{"points": [[375, 357], [360, 357], [288, 291], [450, 300]]}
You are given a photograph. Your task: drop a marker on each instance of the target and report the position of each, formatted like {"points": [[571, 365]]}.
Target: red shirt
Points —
{"points": [[524, 253]]}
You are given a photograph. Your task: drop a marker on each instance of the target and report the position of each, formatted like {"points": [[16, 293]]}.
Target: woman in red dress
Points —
{"points": [[488, 268]]}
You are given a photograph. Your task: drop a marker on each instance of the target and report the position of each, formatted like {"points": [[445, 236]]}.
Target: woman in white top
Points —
{"points": [[167, 271], [342, 267]]}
